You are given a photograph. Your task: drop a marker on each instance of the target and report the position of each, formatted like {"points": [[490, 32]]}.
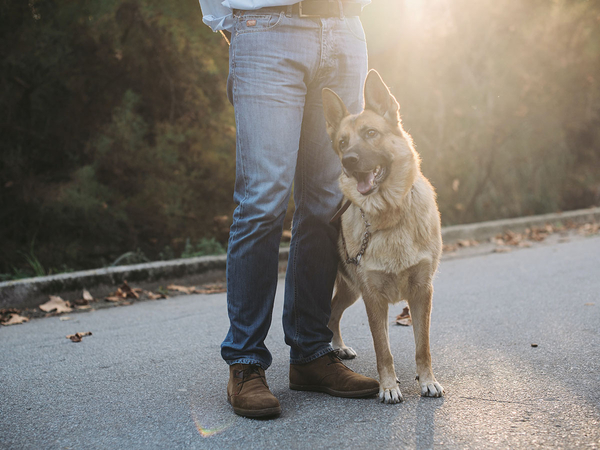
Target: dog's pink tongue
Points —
{"points": [[365, 184]]}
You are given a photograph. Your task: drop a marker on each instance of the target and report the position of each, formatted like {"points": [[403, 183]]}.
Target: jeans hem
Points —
{"points": [[314, 356], [247, 361]]}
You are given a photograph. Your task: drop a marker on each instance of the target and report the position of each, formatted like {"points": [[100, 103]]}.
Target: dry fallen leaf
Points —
{"points": [[123, 292], [83, 306], [511, 238], [128, 292], [77, 336], [538, 234], [153, 296], [206, 289], [87, 296], [79, 302], [407, 322], [118, 294], [6, 313], [184, 289], [15, 319], [211, 289], [461, 243], [63, 318], [404, 318], [502, 249], [588, 229], [570, 225], [449, 248], [56, 303], [589, 304]]}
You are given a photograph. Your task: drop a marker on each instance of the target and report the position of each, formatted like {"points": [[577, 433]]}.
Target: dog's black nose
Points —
{"points": [[350, 160]]}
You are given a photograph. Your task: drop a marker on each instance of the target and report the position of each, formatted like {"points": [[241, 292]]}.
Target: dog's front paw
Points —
{"points": [[431, 388], [390, 395], [345, 353]]}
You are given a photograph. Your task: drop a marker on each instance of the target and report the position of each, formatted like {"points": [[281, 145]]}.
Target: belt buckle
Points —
{"points": [[301, 14]]}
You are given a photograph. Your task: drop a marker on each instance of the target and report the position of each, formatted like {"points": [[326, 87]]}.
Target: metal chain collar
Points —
{"points": [[363, 246]]}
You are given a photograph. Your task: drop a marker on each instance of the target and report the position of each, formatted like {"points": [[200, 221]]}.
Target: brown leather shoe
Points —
{"points": [[328, 374], [248, 392]]}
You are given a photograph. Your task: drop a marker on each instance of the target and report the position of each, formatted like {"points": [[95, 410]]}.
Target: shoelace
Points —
{"points": [[335, 359], [249, 371]]}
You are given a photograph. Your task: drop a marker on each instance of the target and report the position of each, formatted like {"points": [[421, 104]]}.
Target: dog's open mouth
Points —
{"points": [[368, 182]]}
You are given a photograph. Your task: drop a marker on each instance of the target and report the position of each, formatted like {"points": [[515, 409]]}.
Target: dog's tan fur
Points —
{"points": [[405, 246]]}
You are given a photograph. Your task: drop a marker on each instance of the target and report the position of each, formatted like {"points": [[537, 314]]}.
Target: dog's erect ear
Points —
{"points": [[379, 99], [335, 111]]}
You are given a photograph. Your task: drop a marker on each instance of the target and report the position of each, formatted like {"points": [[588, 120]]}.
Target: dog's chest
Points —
{"points": [[375, 283], [390, 251], [384, 261], [371, 276]]}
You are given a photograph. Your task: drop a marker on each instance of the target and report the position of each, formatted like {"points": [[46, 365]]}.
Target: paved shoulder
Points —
{"points": [[150, 376]]}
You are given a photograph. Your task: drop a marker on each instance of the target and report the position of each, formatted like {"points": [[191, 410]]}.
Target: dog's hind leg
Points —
{"points": [[377, 312], [344, 297], [420, 294]]}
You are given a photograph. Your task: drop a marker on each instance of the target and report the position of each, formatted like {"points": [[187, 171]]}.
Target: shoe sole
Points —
{"points": [[254, 413], [346, 394]]}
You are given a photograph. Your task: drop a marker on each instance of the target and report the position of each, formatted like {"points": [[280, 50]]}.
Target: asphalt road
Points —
{"points": [[151, 376]]}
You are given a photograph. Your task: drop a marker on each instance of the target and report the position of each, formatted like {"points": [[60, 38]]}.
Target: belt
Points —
{"points": [[312, 8]]}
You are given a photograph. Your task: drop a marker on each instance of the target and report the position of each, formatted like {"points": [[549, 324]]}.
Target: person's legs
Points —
{"points": [[273, 60], [313, 259], [267, 85]]}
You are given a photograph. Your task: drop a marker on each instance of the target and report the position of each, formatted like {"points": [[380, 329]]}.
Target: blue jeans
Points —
{"points": [[279, 64]]}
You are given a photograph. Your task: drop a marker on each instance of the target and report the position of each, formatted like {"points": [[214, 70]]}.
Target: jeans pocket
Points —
{"points": [[252, 23], [355, 27]]}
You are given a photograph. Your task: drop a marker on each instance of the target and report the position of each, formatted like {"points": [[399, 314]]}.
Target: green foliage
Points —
{"points": [[32, 268], [203, 247], [136, 257], [502, 98], [17, 274], [35, 264], [117, 134]]}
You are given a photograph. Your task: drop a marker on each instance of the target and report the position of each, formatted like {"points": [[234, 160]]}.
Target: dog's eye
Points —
{"points": [[342, 143], [372, 133]]}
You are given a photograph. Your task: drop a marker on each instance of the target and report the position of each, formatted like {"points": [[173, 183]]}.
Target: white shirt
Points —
{"points": [[217, 14]]}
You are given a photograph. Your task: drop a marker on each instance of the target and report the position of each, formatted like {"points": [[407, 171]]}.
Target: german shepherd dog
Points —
{"points": [[390, 238]]}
